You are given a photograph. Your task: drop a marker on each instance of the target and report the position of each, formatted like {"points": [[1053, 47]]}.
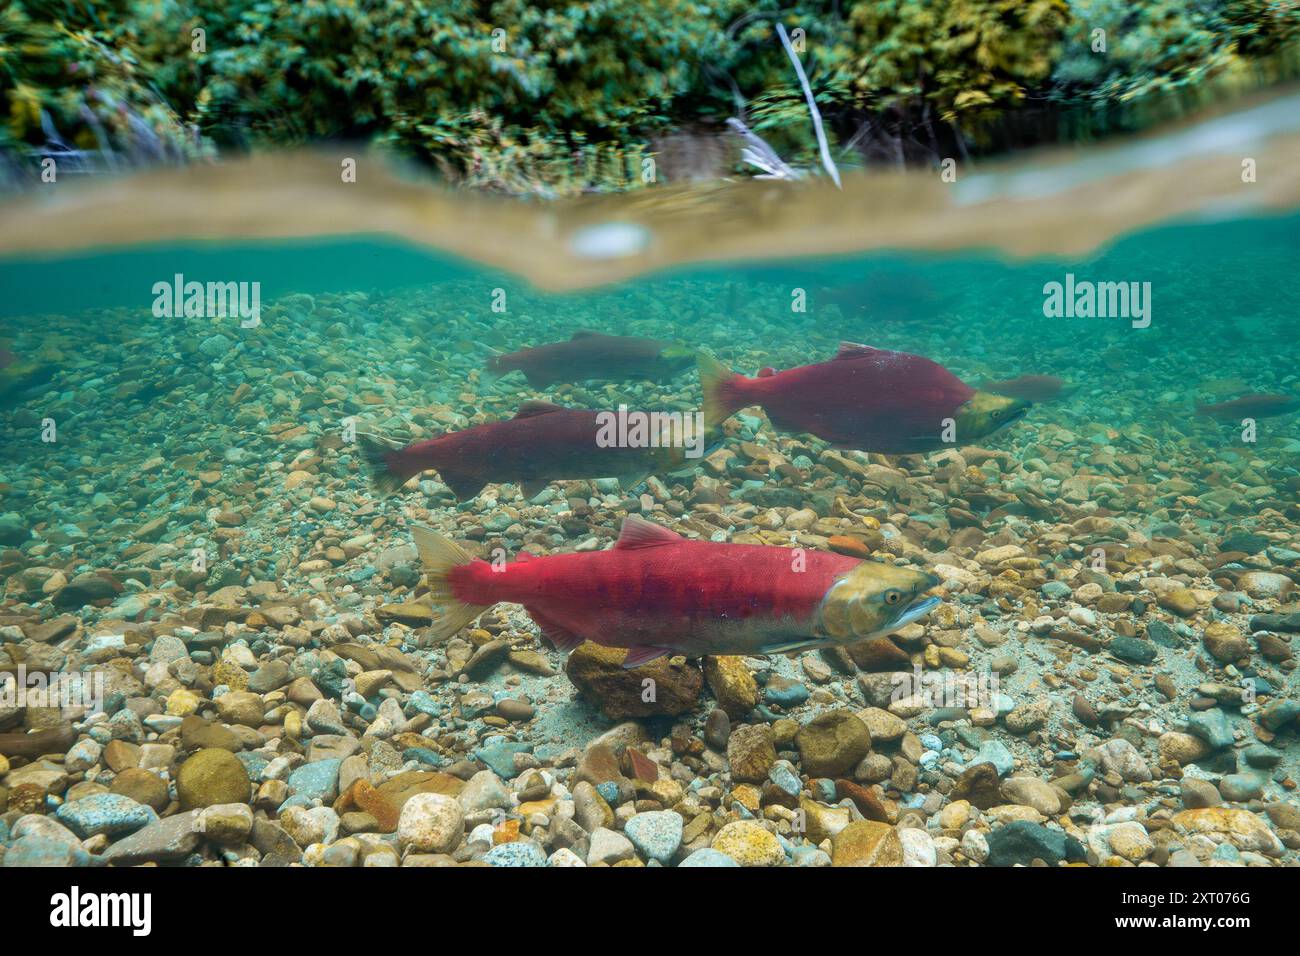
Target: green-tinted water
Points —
{"points": [[185, 506]]}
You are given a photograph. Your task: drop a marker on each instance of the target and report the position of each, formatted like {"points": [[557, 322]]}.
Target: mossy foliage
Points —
{"points": [[560, 95]]}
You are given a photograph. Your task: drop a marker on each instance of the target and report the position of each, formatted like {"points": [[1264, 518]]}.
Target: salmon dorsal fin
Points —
{"points": [[639, 533], [585, 334], [854, 350], [534, 407]]}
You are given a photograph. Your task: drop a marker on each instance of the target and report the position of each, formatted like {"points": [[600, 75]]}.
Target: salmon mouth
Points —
{"points": [[1012, 417], [916, 610]]}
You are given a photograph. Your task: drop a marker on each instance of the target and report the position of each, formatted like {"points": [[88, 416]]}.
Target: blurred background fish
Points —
{"points": [[1034, 388], [1251, 406], [596, 357]]}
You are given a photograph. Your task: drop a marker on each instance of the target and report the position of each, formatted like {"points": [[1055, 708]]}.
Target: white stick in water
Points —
{"points": [[760, 155], [812, 106]]}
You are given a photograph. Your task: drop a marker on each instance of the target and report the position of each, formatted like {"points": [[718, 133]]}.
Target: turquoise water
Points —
{"points": [[1228, 283], [136, 444]]}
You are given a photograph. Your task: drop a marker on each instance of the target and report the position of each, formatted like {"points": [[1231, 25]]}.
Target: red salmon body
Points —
{"points": [[690, 596], [542, 443], [656, 593], [866, 398]]}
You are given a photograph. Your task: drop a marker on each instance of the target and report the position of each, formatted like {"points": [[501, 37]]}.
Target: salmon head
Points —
{"points": [[984, 413], [676, 358], [682, 441], [875, 599]]}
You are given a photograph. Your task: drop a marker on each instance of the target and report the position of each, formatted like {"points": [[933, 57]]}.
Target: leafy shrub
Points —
{"points": [[566, 94], [960, 58], [68, 87], [455, 81]]}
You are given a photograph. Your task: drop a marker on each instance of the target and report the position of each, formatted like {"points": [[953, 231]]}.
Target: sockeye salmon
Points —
{"points": [[542, 443], [595, 357], [657, 593], [865, 398], [1032, 388], [1251, 406]]}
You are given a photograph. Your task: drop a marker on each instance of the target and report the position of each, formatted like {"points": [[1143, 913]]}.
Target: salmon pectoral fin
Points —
{"points": [[494, 368], [463, 486], [631, 479], [531, 489], [803, 644], [540, 378], [559, 636], [784, 424], [640, 654]]}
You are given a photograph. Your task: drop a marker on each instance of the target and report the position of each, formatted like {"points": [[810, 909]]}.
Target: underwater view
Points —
{"points": [[891, 515]]}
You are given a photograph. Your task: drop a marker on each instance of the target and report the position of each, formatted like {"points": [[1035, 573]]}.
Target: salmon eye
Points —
{"points": [[893, 597], [997, 413]]}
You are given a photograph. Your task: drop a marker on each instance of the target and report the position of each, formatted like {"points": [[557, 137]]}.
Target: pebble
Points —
{"points": [[316, 781], [749, 844], [867, 843], [609, 847], [1213, 727], [430, 823], [1241, 787], [918, 847], [105, 813], [308, 825], [832, 743], [751, 752], [211, 776], [708, 857], [656, 834], [526, 853], [1022, 842]]}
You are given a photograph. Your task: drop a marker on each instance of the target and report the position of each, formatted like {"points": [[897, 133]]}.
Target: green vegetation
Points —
{"points": [[561, 95], [71, 82]]}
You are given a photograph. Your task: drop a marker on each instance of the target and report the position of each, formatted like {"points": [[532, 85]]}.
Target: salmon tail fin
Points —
{"points": [[383, 457], [722, 395], [439, 556]]}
